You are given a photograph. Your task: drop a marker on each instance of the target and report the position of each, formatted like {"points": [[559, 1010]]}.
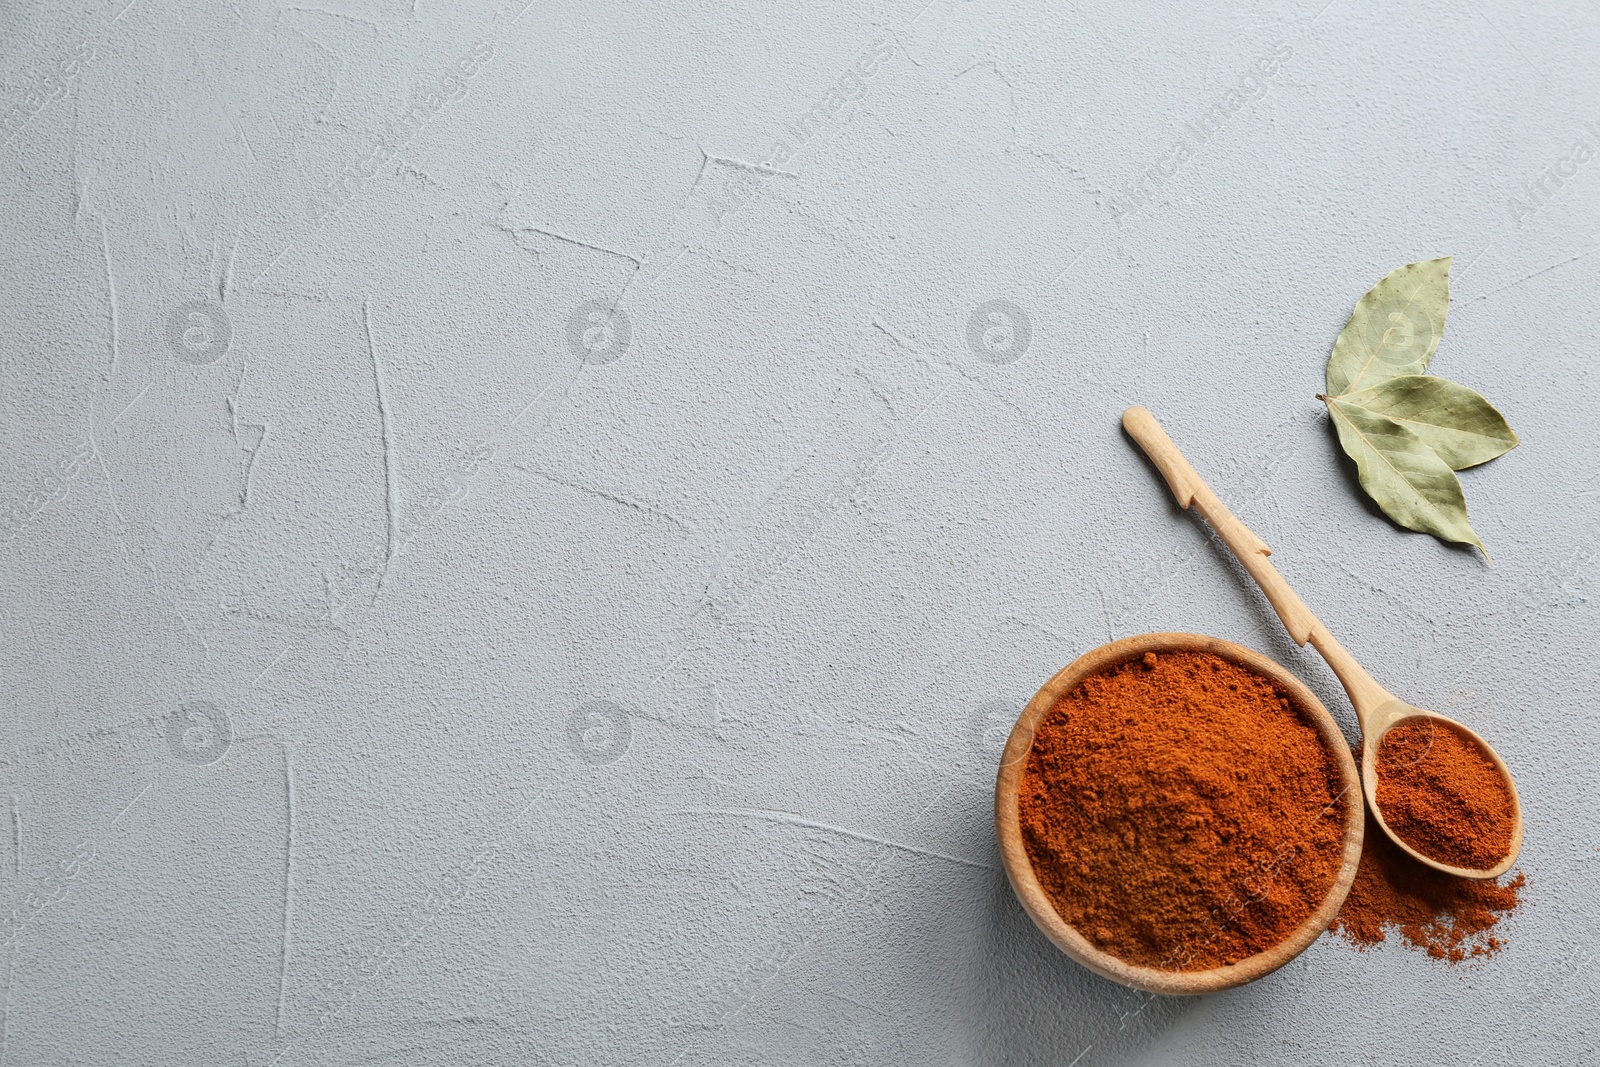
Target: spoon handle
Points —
{"points": [[1192, 492]]}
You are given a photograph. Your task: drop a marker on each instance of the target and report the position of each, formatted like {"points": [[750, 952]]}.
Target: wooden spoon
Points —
{"points": [[1376, 708]]}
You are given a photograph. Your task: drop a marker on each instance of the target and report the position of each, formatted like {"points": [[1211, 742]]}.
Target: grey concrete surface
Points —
{"points": [[525, 527]]}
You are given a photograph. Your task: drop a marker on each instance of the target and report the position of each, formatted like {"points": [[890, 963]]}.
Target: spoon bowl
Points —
{"points": [[1019, 867], [1393, 714]]}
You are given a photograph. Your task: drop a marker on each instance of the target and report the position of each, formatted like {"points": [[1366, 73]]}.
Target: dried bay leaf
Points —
{"points": [[1394, 329], [1453, 420], [1406, 478], [1409, 432]]}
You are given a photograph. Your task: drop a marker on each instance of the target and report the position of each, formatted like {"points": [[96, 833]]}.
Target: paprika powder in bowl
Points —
{"points": [[1178, 813]]}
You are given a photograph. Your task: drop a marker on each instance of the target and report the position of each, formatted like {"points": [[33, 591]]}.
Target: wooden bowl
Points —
{"points": [[1020, 869]]}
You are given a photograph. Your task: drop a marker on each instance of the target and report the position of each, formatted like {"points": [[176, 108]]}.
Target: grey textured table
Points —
{"points": [[525, 527]]}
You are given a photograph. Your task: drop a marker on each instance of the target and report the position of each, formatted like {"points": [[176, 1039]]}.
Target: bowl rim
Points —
{"points": [[1019, 868]]}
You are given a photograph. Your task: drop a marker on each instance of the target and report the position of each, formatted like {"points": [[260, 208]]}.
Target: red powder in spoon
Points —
{"points": [[1443, 795]]}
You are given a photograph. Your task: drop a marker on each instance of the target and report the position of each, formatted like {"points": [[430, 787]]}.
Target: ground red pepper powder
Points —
{"points": [[1446, 916], [1180, 813], [1443, 795]]}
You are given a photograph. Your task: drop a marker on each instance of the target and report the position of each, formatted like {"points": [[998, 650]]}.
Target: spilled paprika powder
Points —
{"points": [[1443, 795], [1180, 813], [1448, 917]]}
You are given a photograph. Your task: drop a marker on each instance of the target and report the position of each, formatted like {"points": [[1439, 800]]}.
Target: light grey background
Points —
{"points": [[311, 477]]}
